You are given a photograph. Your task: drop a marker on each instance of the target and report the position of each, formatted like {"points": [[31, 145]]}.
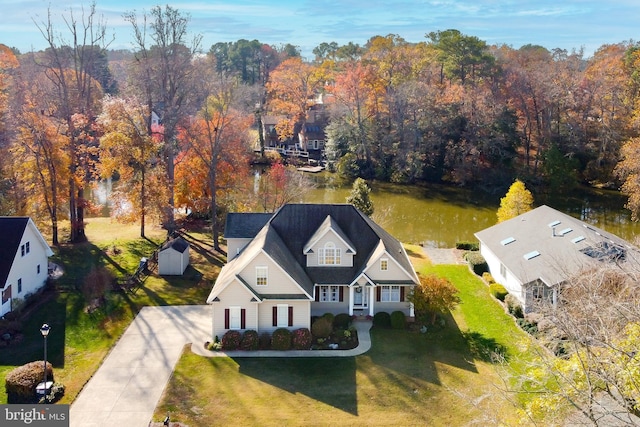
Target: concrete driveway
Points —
{"points": [[126, 388]]}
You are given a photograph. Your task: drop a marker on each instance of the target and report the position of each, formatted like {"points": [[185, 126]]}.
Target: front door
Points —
{"points": [[360, 297]]}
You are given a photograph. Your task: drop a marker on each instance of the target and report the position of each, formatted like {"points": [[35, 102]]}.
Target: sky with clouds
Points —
{"points": [[566, 24]]}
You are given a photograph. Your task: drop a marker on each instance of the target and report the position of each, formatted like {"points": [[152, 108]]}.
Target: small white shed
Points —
{"points": [[173, 257]]}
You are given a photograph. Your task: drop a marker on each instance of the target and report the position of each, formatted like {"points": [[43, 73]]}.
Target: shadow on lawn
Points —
{"points": [[421, 356], [328, 380]]}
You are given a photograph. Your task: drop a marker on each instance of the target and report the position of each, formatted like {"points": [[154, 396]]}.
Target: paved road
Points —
{"points": [[126, 388]]}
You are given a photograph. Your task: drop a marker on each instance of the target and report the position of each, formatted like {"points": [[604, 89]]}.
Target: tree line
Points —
{"points": [[178, 127]]}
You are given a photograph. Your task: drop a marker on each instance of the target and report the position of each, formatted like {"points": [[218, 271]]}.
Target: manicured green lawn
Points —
{"points": [[439, 378], [79, 341]]}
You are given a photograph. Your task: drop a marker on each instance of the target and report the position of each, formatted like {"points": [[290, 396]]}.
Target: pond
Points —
{"points": [[440, 216]]}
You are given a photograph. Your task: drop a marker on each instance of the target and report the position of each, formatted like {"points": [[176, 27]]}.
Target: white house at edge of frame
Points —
{"points": [[24, 260], [533, 254]]}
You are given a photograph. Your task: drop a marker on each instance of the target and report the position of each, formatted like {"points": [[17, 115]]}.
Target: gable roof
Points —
{"points": [[548, 245], [178, 244], [12, 229], [328, 225], [289, 231]]}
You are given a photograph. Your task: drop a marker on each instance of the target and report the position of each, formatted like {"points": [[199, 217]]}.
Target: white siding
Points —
{"points": [[26, 267], [346, 260], [172, 262], [234, 246], [234, 295], [301, 315], [509, 281], [394, 272], [278, 282]]}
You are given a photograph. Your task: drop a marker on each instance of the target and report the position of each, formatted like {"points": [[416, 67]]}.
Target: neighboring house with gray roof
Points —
{"points": [[24, 255], [306, 260], [533, 254]]}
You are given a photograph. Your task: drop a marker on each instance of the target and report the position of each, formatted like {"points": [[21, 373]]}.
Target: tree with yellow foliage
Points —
{"points": [[517, 201]]}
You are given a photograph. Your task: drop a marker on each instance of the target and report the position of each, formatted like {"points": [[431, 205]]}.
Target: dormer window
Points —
{"points": [[329, 254]]}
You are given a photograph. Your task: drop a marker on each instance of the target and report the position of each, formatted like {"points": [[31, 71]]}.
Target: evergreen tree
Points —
{"points": [[359, 197]]}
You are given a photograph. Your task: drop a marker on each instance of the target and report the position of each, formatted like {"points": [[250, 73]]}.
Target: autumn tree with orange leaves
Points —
{"points": [[128, 149], [291, 90], [214, 155]]}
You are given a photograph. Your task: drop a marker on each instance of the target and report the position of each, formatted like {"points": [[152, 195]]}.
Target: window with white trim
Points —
{"points": [[283, 316], [390, 294], [235, 318], [329, 255], [384, 264], [329, 293], [19, 286], [261, 276]]}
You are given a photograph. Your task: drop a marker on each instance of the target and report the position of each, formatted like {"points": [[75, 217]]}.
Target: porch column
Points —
{"points": [[372, 299], [411, 311], [350, 300]]}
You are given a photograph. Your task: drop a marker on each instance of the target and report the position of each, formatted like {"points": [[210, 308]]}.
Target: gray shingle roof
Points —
{"points": [[178, 244], [549, 245], [245, 225], [287, 232]]}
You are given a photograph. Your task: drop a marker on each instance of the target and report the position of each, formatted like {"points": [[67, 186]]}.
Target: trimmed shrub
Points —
{"points": [[322, 327], [231, 340], [249, 341], [264, 342], [382, 319], [513, 306], [398, 320], [468, 246], [301, 339], [341, 321], [329, 316], [21, 382], [281, 339], [487, 277], [477, 262], [498, 291]]}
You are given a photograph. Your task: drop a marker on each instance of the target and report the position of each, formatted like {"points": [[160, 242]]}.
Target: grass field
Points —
{"points": [[441, 378], [79, 341]]}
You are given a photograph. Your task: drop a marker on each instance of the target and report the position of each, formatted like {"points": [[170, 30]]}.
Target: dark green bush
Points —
{"points": [[498, 291], [231, 340], [20, 384], [301, 339], [527, 326], [322, 327], [477, 262], [264, 342], [281, 339], [329, 316], [249, 341], [382, 319], [342, 321], [513, 306], [468, 246], [398, 320]]}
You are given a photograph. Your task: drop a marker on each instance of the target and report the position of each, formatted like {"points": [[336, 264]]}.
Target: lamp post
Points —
{"points": [[44, 330]]}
